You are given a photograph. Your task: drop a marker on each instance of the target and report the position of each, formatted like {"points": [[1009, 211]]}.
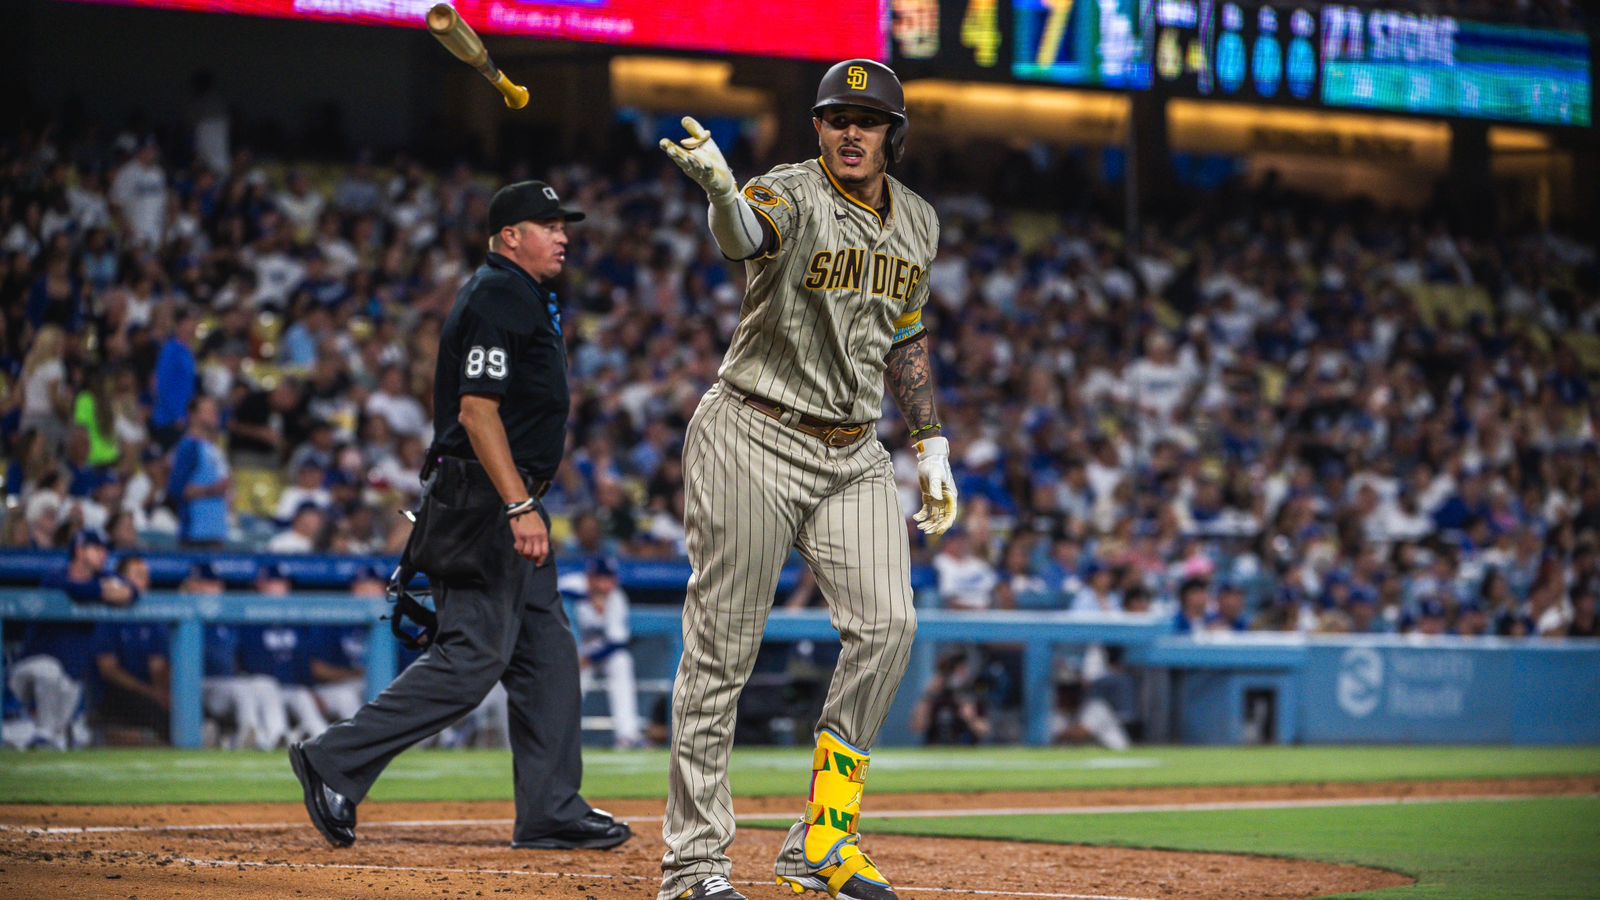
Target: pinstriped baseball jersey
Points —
{"points": [[822, 310]]}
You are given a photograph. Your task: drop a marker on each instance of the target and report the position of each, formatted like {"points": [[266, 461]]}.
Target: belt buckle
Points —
{"points": [[842, 435]]}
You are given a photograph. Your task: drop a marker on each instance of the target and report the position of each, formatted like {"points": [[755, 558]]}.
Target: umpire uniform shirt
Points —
{"points": [[501, 339]]}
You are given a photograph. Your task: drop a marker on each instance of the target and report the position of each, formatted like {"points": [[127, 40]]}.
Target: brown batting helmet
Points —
{"points": [[864, 82]]}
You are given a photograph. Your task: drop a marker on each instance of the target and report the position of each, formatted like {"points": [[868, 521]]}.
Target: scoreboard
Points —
{"points": [[1439, 65], [1205, 48], [1087, 42], [1296, 53]]}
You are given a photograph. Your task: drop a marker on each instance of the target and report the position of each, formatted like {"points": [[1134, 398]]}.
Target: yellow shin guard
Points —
{"points": [[833, 815]]}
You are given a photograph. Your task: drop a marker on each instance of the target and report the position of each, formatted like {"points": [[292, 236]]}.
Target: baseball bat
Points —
{"points": [[464, 44]]}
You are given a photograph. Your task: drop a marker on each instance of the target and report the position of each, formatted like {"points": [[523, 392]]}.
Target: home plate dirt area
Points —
{"points": [[460, 849]]}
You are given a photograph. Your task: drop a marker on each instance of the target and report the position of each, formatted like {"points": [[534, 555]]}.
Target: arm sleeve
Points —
{"points": [[739, 233], [488, 352], [768, 204]]}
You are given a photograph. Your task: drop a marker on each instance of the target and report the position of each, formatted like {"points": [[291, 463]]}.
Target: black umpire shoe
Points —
{"points": [[597, 830], [714, 888], [332, 812]]}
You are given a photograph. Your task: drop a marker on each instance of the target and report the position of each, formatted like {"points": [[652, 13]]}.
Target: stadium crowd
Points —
{"points": [[1270, 412]]}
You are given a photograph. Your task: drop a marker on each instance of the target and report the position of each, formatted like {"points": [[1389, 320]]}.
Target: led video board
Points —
{"points": [[1230, 51], [1439, 65], [1093, 43], [830, 31], [1333, 55]]}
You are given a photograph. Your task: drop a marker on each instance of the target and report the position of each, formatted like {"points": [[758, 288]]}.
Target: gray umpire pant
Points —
{"points": [[514, 631], [755, 489]]}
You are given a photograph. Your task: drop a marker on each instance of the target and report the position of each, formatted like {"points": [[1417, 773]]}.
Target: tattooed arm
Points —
{"points": [[908, 373]]}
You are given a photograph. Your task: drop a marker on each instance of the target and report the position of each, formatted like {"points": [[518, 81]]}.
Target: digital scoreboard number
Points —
{"points": [[1093, 43], [966, 39], [1227, 50]]}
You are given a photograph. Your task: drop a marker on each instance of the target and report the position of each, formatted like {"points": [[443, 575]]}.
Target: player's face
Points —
{"points": [[540, 248], [853, 141]]}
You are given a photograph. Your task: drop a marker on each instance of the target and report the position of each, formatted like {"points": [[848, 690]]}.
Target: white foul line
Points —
{"points": [[1007, 811]]}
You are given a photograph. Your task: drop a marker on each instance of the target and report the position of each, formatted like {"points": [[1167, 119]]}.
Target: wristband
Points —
{"points": [[935, 426], [515, 510]]}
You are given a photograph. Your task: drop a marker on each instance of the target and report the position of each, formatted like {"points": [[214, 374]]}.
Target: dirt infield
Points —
{"points": [[458, 849]]}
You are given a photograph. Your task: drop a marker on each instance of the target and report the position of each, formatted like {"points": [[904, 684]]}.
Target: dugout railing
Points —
{"points": [[1318, 689]]}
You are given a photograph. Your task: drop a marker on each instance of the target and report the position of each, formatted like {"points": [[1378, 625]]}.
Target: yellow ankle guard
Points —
{"points": [[833, 814]]}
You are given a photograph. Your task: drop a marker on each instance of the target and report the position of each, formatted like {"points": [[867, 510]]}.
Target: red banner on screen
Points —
{"points": [[819, 30]]}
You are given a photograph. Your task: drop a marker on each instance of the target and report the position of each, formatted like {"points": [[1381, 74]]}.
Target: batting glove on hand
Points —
{"points": [[938, 510], [697, 155]]}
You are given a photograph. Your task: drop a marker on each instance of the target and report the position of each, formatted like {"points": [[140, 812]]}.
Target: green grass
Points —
{"points": [[172, 776], [1523, 848]]}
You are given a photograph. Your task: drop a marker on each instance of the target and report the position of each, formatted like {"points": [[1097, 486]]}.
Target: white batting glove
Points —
{"points": [[938, 510], [698, 156]]}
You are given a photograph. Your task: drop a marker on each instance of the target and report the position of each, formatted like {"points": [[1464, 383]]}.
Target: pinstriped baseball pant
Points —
{"points": [[755, 488]]}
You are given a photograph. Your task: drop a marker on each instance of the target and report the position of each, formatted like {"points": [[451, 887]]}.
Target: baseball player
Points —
{"points": [[251, 701], [603, 637], [282, 656], [781, 454], [339, 654]]}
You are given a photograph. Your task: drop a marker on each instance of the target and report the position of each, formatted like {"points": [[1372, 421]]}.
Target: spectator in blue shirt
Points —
{"points": [[1193, 599], [200, 479], [1230, 614], [175, 381]]}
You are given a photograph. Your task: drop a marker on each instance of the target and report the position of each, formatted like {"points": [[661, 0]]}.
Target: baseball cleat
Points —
{"points": [[857, 888], [714, 888]]}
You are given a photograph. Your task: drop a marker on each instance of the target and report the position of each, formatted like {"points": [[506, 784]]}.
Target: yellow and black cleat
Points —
{"points": [[832, 843]]}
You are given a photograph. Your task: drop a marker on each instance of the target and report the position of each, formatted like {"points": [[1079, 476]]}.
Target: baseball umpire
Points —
{"points": [[482, 537], [782, 454]]}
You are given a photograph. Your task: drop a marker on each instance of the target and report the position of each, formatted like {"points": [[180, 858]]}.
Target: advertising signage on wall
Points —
{"points": [[816, 31], [1438, 65], [1300, 53]]}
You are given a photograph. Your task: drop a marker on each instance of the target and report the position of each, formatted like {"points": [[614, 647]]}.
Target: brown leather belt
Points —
{"points": [[834, 434]]}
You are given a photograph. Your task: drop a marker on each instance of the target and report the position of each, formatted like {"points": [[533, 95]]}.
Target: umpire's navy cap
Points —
{"points": [[528, 201]]}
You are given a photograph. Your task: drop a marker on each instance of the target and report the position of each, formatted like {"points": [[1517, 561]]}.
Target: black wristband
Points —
{"points": [[516, 510]]}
